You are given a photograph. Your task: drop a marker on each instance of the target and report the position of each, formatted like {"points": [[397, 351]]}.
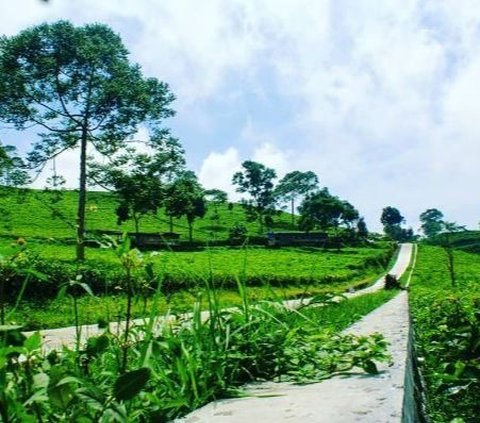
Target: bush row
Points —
{"points": [[47, 276]]}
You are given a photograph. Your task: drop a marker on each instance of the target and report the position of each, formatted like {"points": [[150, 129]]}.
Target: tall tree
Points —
{"points": [[432, 222], [12, 168], [216, 197], [186, 197], [78, 86], [446, 242], [140, 179], [293, 185], [392, 220], [323, 210], [391, 216], [256, 180]]}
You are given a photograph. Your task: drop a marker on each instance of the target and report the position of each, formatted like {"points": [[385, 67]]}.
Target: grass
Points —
{"points": [[269, 274], [57, 312], [447, 321], [287, 268], [182, 367], [468, 241], [57, 220]]}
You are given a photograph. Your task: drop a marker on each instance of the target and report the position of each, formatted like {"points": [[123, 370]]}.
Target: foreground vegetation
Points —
{"points": [[269, 274], [447, 327], [153, 373]]}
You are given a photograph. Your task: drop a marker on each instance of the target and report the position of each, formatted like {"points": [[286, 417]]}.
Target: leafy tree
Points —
{"points": [[12, 168], [78, 86], [256, 180], [323, 211], [362, 231], [186, 197], [432, 222], [139, 179], [392, 220], [391, 216], [294, 185], [216, 197], [446, 242]]}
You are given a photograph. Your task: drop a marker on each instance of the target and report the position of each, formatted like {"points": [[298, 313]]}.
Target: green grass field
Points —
{"points": [[29, 213], [269, 274], [447, 327], [468, 241]]}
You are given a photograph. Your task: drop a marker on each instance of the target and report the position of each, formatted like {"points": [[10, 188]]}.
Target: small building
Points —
{"points": [[141, 239], [283, 239]]}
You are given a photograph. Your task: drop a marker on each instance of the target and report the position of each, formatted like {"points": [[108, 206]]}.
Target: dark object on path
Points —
{"points": [[391, 282]]}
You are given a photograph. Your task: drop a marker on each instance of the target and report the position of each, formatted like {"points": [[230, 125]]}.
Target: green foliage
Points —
{"points": [[140, 180], [53, 220], [186, 197], [12, 168], [392, 221], [78, 86], [431, 220], [238, 233], [293, 185], [184, 365], [468, 241], [323, 211], [447, 322], [391, 216], [257, 181]]}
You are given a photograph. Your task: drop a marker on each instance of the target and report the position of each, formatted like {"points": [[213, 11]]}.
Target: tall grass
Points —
{"points": [[164, 368]]}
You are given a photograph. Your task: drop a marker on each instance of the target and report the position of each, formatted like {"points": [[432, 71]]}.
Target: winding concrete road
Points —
{"points": [[353, 398]]}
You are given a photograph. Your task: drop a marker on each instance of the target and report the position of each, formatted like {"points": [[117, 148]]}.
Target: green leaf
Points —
{"points": [[33, 342], [62, 292], [86, 288], [10, 328], [130, 384], [97, 344]]}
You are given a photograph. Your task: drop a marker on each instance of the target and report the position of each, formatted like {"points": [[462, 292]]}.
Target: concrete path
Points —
{"points": [[56, 338], [353, 398]]}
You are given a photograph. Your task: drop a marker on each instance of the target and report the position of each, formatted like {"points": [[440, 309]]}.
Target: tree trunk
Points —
{"points": [[451, 266], [190, 231], [293, 211], [136, 221], [82, 198]]}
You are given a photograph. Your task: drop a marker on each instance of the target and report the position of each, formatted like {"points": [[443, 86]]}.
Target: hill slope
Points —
{"points": [[31, 213], [468, 241]]}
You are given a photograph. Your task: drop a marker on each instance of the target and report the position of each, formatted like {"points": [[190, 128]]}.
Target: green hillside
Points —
{"points": [[468, 241], [31, 214]]}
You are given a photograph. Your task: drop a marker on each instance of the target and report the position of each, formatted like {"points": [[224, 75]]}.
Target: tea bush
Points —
{"points": [[447, 327]]}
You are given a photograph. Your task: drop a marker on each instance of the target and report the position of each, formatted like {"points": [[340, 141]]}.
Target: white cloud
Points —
{"points": [[271, 156], [66, 165], [380, 95], [217, 171]]}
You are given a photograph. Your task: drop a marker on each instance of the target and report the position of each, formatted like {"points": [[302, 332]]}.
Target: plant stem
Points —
{"points": [[127, 321]]}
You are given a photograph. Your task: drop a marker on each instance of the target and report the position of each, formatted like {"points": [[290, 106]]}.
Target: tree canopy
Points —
{"points": [[140, 180], [78, 86], [12, 168], [323, 210], [256, 180], [293, 185], [392, 220], [432, 222], [186, 197]]}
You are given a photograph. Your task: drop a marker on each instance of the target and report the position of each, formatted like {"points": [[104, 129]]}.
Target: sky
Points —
{"points": [[377, 97]]}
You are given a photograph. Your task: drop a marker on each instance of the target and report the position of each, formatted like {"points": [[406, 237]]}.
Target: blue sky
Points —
{"points": [[378, 97]]}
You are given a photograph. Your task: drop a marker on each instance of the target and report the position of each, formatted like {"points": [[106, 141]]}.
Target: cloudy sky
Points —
{"points": [[378, 97]]}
